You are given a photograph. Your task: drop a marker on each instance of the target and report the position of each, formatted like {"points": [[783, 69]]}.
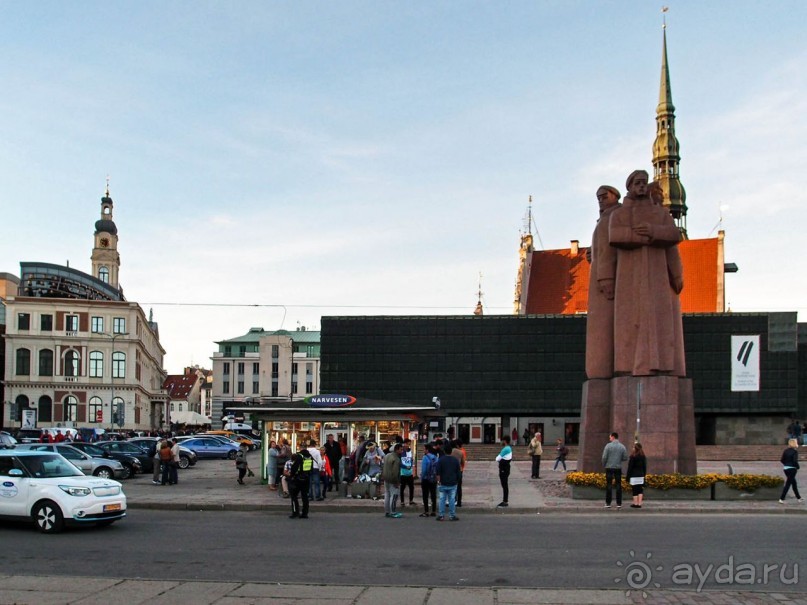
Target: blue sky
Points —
{"points": [[375, 157]]}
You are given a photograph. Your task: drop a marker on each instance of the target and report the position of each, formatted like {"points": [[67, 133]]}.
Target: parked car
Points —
{"points": [[130, 449], [47, 489], [105, 468], [237, 437], [6, 441], [147, 444], [208, 447], [129, 462]]}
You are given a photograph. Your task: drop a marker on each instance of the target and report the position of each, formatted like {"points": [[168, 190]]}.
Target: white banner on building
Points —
{"points": [[29, 419], [745, 363]]}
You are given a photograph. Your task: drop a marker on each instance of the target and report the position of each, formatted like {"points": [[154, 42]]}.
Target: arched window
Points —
{"points": [[118, 411], [96, 364], [172, 406], [46, 362], [45, 409], [70, 409], [22, 404], [71, 362], [103, 274], [23, 362], [96, 410], [118, 364], [180, 407]]}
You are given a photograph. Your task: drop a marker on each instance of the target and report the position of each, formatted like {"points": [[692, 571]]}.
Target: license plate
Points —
{"points": [[111, 507]]}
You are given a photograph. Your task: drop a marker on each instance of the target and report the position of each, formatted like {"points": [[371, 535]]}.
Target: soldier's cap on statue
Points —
{"points": [[608, 188]]}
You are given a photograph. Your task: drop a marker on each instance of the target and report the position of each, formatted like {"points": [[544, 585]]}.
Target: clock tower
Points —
{"points": [[105, 257]]}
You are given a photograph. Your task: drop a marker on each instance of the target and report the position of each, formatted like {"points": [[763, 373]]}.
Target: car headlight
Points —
{"points": [[75, 491]]}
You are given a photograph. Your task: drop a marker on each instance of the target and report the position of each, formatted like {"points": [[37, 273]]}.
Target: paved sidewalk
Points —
{"points": [[51, 590], [211, 485]]}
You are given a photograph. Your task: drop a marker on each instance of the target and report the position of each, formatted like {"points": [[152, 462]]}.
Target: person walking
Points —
{"points": [[613, 455], [391, 474], [560, 457], [155, 458], [460, 454], [526, 436], [535, 449], [241, 462], [637, 469], [428, 481], [790, 464], [174, 477], [504, 458], [315, 486]]}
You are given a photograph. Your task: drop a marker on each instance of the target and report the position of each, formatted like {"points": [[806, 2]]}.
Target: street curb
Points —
{"points": [[549, 510]]}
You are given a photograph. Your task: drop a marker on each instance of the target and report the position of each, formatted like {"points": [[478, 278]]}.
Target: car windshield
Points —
{"points": [[49, 466], [91, 450]]}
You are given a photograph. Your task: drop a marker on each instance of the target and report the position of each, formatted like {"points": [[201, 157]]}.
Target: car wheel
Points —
{"points": [[128, 472], [231, 455], [48, 517], [104, 472], [184, 462]]}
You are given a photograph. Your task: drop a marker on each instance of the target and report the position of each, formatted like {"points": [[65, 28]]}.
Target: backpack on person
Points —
{"points": [[430, 472]]}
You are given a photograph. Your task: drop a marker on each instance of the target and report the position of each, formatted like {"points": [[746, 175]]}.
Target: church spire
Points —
{"points": [[665, 148], [479, 311]]}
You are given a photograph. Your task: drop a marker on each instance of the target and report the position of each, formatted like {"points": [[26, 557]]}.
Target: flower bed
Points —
{"points": [[712, 486]]}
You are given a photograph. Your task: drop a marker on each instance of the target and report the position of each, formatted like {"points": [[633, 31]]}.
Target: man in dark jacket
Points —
{"points": [[448, 477], [302, 466], [333, 452]]}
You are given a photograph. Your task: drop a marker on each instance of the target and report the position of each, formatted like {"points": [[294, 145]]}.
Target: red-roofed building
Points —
{"points": [[184, 393], [557, 280]]}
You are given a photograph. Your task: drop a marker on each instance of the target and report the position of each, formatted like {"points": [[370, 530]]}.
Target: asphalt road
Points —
{"points": [[585, 551]]}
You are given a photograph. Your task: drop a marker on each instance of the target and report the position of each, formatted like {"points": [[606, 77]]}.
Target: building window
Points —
{"points": [[103, 274], [294, 387], [256, 369], [96, 410], [119, 325], [45, 409], [309, 370], [309, 388], [23, 362], [23, 321], [275, 370], [70, 409], [46, 362], [172, 406], [242, 349], [71, 323], [227, 351], [240, 368], [225, 386], [118, 411], [255, 387], [274, 389], [294, 369], [22, 404], [71, 361], [226, 368], [98, 325], [46, 323], [96, 364], [275, 351], [118, 364], [240, 387], [179, 405]]}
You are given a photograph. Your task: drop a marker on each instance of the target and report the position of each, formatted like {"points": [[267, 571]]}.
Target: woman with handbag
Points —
{"points": [[637, 469], [790, 464]]}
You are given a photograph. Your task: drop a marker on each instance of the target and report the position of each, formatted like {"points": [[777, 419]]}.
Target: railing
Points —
{"points": [[71, 333], [71, 378]]}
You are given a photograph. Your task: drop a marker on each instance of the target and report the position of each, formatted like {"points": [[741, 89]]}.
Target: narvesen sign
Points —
{"points": [[330, 401]]}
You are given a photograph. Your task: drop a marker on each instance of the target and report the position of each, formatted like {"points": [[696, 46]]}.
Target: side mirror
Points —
{"points": [[15, 472]]}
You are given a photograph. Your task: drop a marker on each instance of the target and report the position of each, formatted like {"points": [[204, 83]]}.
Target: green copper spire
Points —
{"points": [[666, 150]]}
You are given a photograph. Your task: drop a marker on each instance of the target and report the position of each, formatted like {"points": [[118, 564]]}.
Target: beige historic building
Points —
{"points": [[263, 367], [78, 353]]}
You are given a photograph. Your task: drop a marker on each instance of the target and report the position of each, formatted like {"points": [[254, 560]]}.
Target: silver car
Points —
{"points": [[106, 468]]}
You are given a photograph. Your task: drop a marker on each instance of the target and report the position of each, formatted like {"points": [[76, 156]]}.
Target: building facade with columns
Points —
{"points": [[78, 354]]}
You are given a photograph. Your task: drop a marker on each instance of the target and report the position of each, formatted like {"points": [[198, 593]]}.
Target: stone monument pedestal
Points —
{"points": [[659, 410]]}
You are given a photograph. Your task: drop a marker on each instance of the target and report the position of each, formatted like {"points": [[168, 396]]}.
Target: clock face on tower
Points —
{"points": [[104, 242]]}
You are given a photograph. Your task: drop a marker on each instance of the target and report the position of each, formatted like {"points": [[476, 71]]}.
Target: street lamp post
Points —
{"points": [[112, 376]]}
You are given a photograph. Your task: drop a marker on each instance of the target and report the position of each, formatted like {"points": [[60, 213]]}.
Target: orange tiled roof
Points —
{"points": [[558, 281]]}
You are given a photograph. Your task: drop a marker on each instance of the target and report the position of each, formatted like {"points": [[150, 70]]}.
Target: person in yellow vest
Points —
{"points": [[302, 466], [536, 450]]}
